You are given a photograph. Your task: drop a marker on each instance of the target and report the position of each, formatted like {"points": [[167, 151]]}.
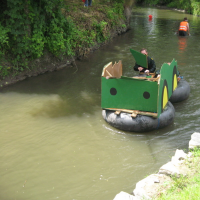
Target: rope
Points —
{"points": [[158, 123]]}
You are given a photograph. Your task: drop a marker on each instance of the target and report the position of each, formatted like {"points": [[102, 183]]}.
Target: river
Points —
{"points": [[54, 143]]}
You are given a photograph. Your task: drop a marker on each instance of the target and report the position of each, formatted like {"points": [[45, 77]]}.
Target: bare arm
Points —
{"points": [[188, 29]]}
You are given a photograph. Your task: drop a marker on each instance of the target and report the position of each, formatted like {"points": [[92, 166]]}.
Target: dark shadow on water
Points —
{"points": [[78, 92]]}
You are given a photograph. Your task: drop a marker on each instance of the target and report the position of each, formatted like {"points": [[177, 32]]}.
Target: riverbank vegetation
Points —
{"points": [[191, 7], [185, 187], [60, 28], [35, 33]]}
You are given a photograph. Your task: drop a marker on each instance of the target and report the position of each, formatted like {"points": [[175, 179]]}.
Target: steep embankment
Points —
{"points": [[95, 26]]}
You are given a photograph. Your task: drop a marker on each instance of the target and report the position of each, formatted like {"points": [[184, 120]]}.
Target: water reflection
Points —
{"points": [[182, 43], [182, 50]]}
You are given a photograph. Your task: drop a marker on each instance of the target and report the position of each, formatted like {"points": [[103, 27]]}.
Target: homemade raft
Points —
{"points": [[138, 103], [127, 121], [181, 93]]}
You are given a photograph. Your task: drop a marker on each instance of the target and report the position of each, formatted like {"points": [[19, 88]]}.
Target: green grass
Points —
{"points": [[185, 187], [190, 192]]}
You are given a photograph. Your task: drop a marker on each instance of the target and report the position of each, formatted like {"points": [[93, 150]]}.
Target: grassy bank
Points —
{"points": [[185, 187]]}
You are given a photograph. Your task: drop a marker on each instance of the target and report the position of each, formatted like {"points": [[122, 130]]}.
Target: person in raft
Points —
{"points": [[151, 64], [184, 27]]}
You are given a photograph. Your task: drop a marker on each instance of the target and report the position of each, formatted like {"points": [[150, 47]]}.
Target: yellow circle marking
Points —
{"points": [[165, 97], [175, 82]]}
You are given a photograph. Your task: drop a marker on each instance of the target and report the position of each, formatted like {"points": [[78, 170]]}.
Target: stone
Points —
{"points": [[195, 140], [151, 186], [174, 169], [180, 154], [169, 169], [179, 157], [190, 154], [175, 161], [125, 196]]}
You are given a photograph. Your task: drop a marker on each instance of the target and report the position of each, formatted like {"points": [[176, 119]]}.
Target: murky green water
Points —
{"points": [[54, 143]]}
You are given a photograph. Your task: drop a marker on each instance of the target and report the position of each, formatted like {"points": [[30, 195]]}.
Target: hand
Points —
{"points": [[147, 71], [140, 68]]}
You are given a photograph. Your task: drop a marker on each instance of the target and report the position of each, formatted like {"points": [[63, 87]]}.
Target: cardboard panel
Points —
{"points": [[117, 69], [129, 93], [140, 58], [113, 70], [105, 72], [168, 75]]}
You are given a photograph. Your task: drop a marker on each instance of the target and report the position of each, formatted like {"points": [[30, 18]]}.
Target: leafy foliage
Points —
{"points": [[28, 28], [100, 27], [192, 6], [3, 39], [195, 5], [31, 26]]}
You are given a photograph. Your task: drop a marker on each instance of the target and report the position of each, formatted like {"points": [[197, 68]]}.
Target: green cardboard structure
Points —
{"points": [[120, 92], [129, 93], [169, 82], [140, 58]]}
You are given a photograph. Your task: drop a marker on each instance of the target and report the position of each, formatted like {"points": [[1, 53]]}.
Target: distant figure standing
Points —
{"points": [[88, 3], [184, 27]]}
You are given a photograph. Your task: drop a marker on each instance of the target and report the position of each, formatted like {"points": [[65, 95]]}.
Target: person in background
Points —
{"points": [[88, 3], [151, 63], [184, 27]]}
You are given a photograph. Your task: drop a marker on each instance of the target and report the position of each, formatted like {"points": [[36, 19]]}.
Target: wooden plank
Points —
{"points": [[145, 78], [141, 77], [138, 112], [149, 73], [110, 69], [106, 67], [109, 73], [117, 112], [156, 79], [110, 77], [134, 115]]}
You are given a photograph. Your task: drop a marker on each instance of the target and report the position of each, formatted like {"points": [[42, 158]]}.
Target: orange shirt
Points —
{"points": [[183, 26]]}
